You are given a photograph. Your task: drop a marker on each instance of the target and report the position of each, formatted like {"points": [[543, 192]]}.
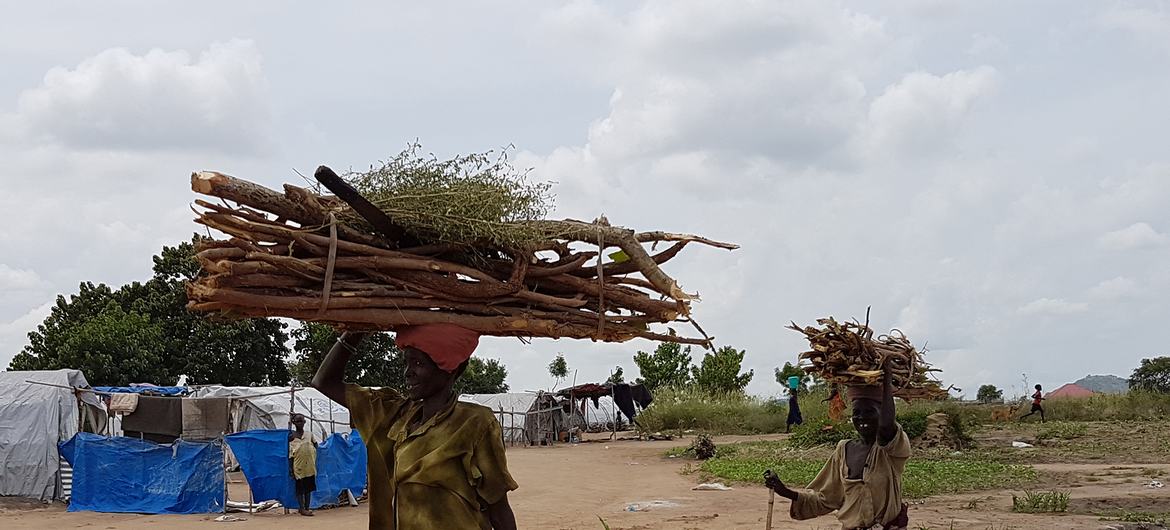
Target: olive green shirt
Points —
{"points": [[875, 498], [442, 474]]}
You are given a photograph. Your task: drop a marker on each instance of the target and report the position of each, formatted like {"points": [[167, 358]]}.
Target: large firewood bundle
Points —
{"points": [[847, 353], [299, 254]]}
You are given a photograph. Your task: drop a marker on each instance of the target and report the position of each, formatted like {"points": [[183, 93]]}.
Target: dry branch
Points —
{"points": [[293, 255], [848, 353]]}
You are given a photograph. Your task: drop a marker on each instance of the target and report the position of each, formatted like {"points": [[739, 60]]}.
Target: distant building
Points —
{"points": [[1070, 390]]}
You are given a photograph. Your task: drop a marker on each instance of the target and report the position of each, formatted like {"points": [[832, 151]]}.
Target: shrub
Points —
{"points": [[690, 408], [812, 434], [1041, 502], [913, 422], [703, 447]]}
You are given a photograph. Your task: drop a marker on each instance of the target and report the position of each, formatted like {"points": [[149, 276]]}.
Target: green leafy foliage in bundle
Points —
{"points": [[473, 199]]}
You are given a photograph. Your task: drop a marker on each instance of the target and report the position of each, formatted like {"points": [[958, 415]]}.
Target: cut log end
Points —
{"points": [[204, 181]]}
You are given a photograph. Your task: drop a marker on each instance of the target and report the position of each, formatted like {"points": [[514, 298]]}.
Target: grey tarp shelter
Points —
{"points": [[267, 407], [33, 419]]}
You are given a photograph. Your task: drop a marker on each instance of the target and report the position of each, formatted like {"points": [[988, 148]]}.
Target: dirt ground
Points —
{"points": [[570, 486]]}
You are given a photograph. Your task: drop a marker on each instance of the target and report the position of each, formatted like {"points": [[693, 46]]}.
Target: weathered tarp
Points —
{"points": [[263, 457], [149, 390], [509, 410], [33, 419], [267, 407], [127, 475]]}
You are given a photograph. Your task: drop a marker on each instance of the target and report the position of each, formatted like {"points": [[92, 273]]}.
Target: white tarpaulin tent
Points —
{"points": [[267, 407], [509, 410], [33, 419]]}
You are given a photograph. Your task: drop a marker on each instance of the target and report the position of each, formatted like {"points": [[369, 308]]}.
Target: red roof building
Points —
{"points": [[1070, 390]]}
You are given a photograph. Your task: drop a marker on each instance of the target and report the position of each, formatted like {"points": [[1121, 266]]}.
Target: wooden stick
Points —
{"points": [[771, 502]]}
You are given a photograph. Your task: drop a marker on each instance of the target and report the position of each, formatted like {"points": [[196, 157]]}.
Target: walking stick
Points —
{"points": [[771, 501]]}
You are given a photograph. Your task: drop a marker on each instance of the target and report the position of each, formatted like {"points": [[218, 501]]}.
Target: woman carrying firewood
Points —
{"points": [[862, 481], [434, 462]]}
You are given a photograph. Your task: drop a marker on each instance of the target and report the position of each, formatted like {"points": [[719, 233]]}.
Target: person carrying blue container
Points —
{"points": [[794, 417]]}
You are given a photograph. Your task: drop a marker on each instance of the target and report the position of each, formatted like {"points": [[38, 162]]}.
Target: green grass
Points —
{"points": [[1041, 502], [691, 409], [746, 462], [1134, 406], [1063, 430], [676, 410], [1159, 518]]}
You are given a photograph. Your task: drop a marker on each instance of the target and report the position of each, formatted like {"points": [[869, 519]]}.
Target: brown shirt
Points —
{"points": [[875, 498], [439, 475]]}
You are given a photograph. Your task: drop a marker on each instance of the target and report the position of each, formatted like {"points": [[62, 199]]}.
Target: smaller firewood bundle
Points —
{"points": [[342, 260], [847, 353]]}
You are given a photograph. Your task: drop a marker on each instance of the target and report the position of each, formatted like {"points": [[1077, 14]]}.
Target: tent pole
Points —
{"points": [[224, 464]]}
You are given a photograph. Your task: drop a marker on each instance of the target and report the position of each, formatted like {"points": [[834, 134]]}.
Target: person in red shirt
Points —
{"points": [[1037, 397]]}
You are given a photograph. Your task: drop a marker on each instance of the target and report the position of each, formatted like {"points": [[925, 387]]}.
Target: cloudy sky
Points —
{"points": [[991, 177]]}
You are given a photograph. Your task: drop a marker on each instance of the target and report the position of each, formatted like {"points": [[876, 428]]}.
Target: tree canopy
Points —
{"points": [[1152, 375], [669, 365], [143, 333], [559, 369], [718, 372], [377, 361], [989, 394], [483, 377]]}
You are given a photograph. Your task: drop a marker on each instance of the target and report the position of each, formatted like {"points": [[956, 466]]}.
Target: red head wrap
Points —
{"points": [[871, 392], [446, 344]]}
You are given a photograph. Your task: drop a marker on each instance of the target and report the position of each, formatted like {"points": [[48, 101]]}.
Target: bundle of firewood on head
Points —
{"points": [[420, 241], [847, 353]]}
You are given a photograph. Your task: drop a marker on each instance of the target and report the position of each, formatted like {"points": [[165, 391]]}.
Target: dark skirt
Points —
{"points": [[306, 485], [794, 417]]}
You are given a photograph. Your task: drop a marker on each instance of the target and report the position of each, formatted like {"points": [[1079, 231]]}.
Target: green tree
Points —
{"points": [[789, 370], [1153, 375], [483, 377], [617, 377], [669, 365], [559, 369], [718, 372], [989, 394], [142, 332], [377, 362]]}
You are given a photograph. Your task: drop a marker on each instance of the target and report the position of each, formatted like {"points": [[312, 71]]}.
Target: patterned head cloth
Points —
{"points": [[446, 344]]}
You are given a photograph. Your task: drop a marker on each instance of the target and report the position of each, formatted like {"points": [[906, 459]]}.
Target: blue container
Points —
{"points": [[793, 382]]}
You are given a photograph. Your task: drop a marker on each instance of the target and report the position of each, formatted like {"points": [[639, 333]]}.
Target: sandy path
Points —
{"points": [[568, 487]]}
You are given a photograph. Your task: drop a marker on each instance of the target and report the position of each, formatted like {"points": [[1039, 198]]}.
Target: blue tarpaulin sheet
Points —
{"points": [[263, 457], [153, 390], [341, 465], [127, 475]]}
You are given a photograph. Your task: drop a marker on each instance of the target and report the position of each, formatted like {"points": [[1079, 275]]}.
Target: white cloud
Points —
{"points": [[14, 334], [19, 279], [159, 100], [1114, 288], [920, 113], [984, 44], [1052, 306], [1132, 237], [1149, 24]]}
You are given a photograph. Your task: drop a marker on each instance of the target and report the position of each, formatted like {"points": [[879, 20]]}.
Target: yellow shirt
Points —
{"points": [[440, 475], [875, 498], [304, 457]]}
